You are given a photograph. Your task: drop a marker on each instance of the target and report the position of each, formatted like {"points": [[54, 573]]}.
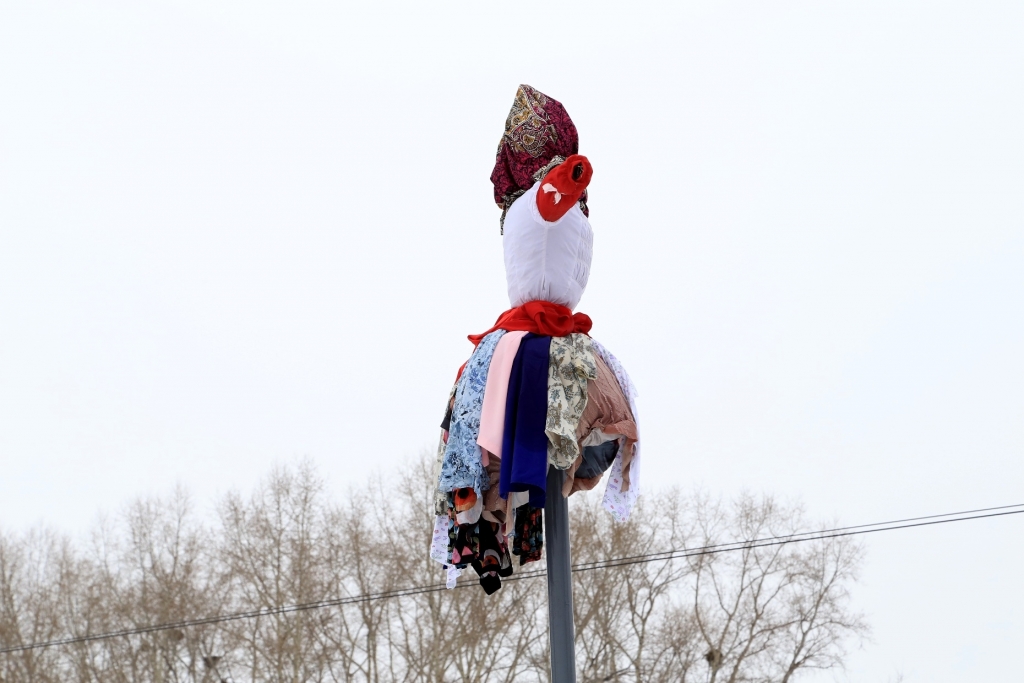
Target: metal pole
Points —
{"points": [[561, 630]]}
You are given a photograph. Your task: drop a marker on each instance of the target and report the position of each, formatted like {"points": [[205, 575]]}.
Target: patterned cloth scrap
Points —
{"points": [[538, 136], [441, 497], [440, 550], [572, 365], [529, 538], [477, 545], [492, 560], [462, 465], [617, 501]]}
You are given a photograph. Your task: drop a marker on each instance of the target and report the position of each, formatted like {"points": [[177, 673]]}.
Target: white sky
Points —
{"points": [[236, 233]]}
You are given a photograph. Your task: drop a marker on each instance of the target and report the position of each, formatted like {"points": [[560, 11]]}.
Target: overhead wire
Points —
{"points": [[799, 536], [678, 553]]}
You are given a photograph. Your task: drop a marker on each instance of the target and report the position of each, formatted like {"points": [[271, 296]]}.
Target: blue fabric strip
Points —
{"points": [[524, 448]]}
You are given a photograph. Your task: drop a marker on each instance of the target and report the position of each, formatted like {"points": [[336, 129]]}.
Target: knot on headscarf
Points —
{"points": [[538, 136]]}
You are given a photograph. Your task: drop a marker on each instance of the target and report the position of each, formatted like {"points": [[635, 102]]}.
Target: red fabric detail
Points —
{"points": [[566, 190], [539, 317]]}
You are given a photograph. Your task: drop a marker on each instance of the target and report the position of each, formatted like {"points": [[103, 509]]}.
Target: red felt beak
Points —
{"points": [[562, 186]]}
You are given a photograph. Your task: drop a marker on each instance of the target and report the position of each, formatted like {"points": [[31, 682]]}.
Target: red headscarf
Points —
{"points": [[538, 136]]}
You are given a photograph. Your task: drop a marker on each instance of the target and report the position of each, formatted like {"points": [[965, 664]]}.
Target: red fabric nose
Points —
{"points": [[562, 186]]}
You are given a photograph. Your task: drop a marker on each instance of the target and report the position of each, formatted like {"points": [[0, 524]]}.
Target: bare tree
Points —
{"points": [[759, 613], [274, 551], [34, 574], [153, 566], [461, 635], [765, 612], [626, 625]]}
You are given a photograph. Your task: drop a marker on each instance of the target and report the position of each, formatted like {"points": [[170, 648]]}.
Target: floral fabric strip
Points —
{"points": [[571, 366], [462, 466], [439, 542], [441, 497]]}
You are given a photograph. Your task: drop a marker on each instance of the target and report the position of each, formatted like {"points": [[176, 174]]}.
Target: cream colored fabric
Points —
{"points": [[570, 369]]}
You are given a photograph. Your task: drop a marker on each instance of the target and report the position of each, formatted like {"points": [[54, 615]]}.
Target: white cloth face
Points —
{"points": [[546, 261]]}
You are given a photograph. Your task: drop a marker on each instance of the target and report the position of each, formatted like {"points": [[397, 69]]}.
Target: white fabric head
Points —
{"points": [[546, 261]]}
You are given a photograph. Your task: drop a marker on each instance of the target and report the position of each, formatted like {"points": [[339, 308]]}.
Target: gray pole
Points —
{"points": [[561, 630]]}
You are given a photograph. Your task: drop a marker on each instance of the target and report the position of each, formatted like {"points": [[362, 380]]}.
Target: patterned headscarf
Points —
{"points": [[538, 136]]}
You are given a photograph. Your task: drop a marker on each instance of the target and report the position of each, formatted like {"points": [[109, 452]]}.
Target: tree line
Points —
{"points": [[753, 615]]}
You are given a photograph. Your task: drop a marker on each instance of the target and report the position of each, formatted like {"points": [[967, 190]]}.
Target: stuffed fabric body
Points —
{"points": [[538, 391], [546, 261]]}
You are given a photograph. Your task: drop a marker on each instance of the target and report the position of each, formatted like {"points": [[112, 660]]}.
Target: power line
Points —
{"points": [[907, 523], [679, 553]]}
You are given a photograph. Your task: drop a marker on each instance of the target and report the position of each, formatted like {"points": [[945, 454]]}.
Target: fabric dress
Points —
{"points": [[538, 391]]}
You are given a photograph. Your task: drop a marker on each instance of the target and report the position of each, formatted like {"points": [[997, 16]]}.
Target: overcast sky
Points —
{"points": [[239, 233]]}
